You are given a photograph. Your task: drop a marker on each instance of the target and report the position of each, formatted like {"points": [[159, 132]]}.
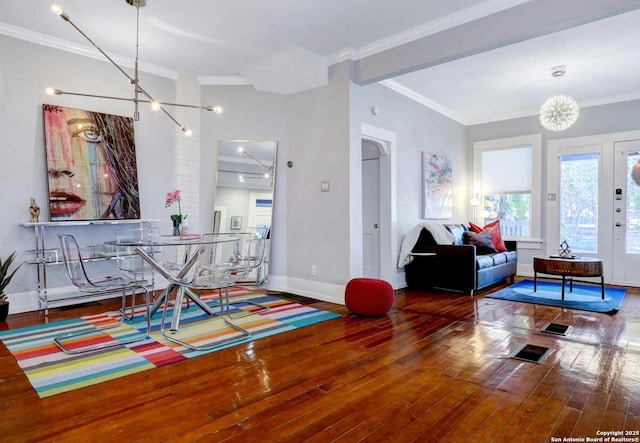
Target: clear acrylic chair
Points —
{"points": [[215, 269], [252, 254], [130, 264], [76, 271]]}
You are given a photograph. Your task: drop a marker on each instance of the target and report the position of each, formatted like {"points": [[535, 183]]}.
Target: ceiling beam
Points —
{"points": [[519, 23]]}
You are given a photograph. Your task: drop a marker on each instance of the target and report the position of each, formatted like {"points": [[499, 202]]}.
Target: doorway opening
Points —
{"points": [[387, 224], [371, 208]]}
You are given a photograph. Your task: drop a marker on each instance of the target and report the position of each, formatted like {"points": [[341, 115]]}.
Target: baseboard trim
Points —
{"points": [[328, 292]]}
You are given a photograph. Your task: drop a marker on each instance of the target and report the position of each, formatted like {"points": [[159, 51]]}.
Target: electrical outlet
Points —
{"points": [[313, 270]]}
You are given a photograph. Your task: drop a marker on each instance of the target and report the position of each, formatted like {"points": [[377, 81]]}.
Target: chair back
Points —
{"points": [[218, 266], [254, 252], [251, 253], [73, 264], [130, 263]]}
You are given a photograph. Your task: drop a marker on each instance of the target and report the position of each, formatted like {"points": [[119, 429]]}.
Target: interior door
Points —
{"points": [[626, 213], [371, 217]]}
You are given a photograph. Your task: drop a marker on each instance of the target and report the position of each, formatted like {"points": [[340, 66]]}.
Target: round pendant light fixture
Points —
{"points": [[560, 112]]}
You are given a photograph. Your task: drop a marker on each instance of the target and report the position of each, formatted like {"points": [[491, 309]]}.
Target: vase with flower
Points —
{"points": [[174, 197]]}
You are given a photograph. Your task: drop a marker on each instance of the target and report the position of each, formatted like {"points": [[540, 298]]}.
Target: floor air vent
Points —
{"points": [[532, 353], [556, 328]]}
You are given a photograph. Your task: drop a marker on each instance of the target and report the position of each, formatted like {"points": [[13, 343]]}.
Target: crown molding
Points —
{"points": [[220, 80], [83, 50], [610, 99], [534, 112], [410, 93], [441, 24], [342, 55]]}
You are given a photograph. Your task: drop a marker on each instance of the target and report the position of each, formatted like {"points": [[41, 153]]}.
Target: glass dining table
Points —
{"points": [[149, 249]]}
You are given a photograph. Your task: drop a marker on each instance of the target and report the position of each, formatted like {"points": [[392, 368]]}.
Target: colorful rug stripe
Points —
{"points": [[51, 372]]}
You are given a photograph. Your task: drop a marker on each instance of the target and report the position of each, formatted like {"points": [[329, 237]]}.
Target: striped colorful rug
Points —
{"points": [[51, 372]]}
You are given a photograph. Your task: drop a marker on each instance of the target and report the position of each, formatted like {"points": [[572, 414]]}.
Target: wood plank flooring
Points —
{"points": [[437, 368]]}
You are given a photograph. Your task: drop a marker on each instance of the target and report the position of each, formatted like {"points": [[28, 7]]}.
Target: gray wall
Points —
{"points": [[26, 70], [248, 115], [318, 222], [318, 130], [418, 129], [617, 117]]}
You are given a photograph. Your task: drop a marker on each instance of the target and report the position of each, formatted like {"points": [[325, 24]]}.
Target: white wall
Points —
{"points": [[26, 70]]}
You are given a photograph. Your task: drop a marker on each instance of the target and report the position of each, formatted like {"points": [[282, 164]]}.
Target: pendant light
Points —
{"points": [[560, 112]]}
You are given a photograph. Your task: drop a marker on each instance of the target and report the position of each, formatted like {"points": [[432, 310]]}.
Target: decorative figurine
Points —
{"points": [[34, 209], [565, 250]]}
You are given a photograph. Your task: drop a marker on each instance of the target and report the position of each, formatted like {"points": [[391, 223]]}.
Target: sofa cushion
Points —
{"points": [[496, 236], [481, 240], [484, 262], [457, 231], [499, 258], [511, 256]]}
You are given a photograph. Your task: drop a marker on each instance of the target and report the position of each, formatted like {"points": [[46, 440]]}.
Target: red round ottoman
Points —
{"points": [[368, 296]]}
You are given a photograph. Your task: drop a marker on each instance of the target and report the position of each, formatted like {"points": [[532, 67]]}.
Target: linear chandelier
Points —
{"points": [[135, 80]]}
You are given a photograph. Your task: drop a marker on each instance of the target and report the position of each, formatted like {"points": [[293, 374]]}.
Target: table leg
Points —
{"points": [[602, 285], [177, 309], [535, 281], [564, 278], [164, 295], [570, 284], [198, 301]]}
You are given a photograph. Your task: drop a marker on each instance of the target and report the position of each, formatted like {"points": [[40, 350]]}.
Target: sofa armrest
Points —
{"points": [[454, 267]]}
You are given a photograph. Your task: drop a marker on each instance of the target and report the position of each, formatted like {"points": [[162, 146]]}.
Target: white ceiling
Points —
{"points": [[220, 40]]}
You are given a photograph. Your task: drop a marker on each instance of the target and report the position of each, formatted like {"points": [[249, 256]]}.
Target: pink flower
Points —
{"points": [[173, 197]]}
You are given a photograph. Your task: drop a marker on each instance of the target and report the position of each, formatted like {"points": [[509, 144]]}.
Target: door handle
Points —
{"points": [[618, 224], [375, 226]]}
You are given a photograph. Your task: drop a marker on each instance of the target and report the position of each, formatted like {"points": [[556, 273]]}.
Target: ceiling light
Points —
{"points": [[560, 112], [135, 80]]}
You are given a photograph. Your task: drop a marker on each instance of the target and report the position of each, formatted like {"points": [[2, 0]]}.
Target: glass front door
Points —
{"points": [[626, 213]]}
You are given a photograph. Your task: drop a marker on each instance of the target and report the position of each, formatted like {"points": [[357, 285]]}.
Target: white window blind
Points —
{"points": [[507, 170]]}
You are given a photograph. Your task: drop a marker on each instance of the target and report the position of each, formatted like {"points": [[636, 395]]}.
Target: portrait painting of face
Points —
{"points": [[91, 165]]}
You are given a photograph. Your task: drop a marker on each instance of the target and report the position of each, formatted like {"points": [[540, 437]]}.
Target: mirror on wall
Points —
{"points": [[243, 198]]}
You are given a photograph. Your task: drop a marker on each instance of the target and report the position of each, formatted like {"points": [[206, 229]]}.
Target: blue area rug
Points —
{"points": [[583, 297]]}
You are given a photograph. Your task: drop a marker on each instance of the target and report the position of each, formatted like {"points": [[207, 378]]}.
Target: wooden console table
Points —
{"points": [[568, 267]]}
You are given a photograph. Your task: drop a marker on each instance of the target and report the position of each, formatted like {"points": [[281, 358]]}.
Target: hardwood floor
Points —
{"points": [[437, 368]]}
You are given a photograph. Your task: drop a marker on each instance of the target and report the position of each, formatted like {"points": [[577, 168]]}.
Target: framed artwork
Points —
{"points": [[236, 222], [91, 165], [437, 186]]}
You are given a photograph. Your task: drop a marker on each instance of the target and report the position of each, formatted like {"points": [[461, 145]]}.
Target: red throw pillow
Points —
{"points": [[496, 237]]}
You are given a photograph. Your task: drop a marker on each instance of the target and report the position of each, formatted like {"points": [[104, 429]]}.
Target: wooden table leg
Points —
{"points": [[602, 285], [535, 281], [564, 277]]}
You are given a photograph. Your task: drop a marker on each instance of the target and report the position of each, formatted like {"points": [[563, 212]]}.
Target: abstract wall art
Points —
{"points": [[91, 165], [437, 186]]}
